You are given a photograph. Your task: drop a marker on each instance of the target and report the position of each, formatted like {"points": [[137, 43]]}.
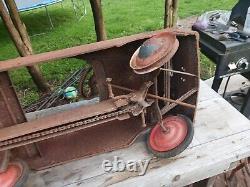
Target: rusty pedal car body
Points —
{"points": [[129, 103]]}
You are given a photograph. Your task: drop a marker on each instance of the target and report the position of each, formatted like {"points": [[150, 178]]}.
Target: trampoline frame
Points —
{"points": [[75, 4]]}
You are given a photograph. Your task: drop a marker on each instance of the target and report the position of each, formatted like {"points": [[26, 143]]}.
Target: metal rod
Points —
{"points": [[156, 97], [48, 15], [143, 118], [179, 72], [167, 80], [111, 95], [166, 108]]}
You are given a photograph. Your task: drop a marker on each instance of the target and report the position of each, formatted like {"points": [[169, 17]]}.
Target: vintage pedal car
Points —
{"points": [[148, 80]]}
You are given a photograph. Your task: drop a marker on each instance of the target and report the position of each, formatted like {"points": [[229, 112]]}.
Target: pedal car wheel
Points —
{"points": [[178, 135], [15, 175]]}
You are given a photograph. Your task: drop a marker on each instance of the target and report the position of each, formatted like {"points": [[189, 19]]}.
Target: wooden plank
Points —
{"points": [[222, 137], [196, 163], [205, 94]]}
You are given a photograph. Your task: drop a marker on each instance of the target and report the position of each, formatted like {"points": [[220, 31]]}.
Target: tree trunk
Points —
{"points": [[170, 20], [98, 19], [14, 34], [175, 12], [19, 24], [167, 14], [170, 16], [21, 40]]}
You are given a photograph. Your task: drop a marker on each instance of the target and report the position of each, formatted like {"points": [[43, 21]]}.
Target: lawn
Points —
{"points": [[121, 18]]}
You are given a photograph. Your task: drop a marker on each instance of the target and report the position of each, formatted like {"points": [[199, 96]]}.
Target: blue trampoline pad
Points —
{"points": [[25, 5]]}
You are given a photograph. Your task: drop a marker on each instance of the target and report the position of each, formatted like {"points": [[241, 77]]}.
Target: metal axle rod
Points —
{"points": [[156, 97], [179, 72], [166, 108]]}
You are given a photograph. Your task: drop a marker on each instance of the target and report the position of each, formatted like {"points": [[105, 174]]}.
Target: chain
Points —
{"points": [[64, 128]]}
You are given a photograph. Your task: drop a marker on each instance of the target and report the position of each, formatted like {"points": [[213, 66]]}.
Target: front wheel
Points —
{"points": [[176, 137]]}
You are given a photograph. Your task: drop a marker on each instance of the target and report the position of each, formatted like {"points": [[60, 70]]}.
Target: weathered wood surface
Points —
{"points": [[239, 176], [222, 137]]}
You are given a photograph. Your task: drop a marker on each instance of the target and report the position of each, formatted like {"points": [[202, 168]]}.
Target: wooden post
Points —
{"points": [[175, 12], [170, 16], [167, 14], [14, 34], [18, 24], [98, 19], [21, 40], [170, 20]]}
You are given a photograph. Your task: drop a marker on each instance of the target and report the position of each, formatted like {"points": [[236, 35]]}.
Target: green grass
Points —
{"points": [[121, 18]]}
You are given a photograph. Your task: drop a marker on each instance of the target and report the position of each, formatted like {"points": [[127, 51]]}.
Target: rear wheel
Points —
{"points": [[178, 135], [87, 84], [16, 174]]}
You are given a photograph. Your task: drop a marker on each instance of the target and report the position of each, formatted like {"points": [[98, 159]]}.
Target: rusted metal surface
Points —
{"points": [[83, 49], [82, 118], [56, 120], [120, 116], [177, 102], [153, 50], [154, 53], [12, 113], [184, 60], [185, 96], [33, 137]]}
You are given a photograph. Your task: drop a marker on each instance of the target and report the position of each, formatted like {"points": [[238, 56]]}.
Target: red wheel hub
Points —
{"points": [[177, 130], [11, 175]]}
